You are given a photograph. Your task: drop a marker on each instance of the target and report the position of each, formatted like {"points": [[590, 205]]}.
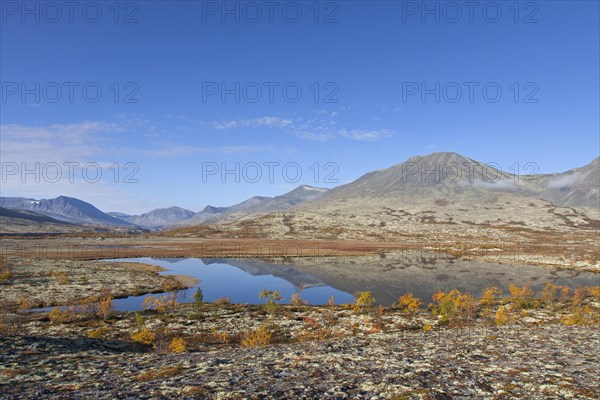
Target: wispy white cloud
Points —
{"points": [[226, 125], [178, 151], [321, 126], [315, 136], [325, 125], [67, 132], [366, 135], [267, 122], [48, 151], [274, 122], [57, 143], [94, 142], [565, 181]]}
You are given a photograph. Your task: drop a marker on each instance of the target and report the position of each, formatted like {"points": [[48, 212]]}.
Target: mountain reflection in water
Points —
{"points": [[388, 276]]}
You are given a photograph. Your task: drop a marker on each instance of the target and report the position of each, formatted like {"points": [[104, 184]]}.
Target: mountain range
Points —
{"points": [[156, 218], [440, 187], [440, 194], [450, 175], [254, 206], [66, 209], [75, 211]]}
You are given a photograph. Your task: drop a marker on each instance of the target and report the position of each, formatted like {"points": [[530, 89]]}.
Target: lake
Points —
{"points": [[388, 276], [240, 280]]}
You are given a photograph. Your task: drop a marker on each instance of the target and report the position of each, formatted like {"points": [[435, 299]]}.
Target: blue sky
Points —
{"points": [[158, 113]]}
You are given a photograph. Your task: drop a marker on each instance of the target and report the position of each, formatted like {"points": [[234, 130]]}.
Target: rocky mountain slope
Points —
{"points": [[20, 221], [157, 218], [579, 187], [454, 176], [441, 194], [256, 206], [66, 209], [29, 216]]}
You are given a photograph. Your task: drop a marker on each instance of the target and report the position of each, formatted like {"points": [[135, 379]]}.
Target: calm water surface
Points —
{"points": [[241, 283], [388, 276]]}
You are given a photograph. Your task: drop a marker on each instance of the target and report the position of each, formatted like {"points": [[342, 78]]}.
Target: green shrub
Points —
{"points": [[271, 298], [363, 301]]}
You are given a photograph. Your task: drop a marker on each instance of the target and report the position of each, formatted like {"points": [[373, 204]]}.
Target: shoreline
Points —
{"points": [[578, 256]]}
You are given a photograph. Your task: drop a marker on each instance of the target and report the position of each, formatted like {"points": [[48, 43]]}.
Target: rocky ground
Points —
{"points": [[534, 234], [484, 240], [37, 282], [514, 347], [307, 352]]}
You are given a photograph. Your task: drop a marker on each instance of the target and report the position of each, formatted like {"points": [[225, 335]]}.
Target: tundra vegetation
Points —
{"points": [[271, 298], [167, 326], [5, 272]]}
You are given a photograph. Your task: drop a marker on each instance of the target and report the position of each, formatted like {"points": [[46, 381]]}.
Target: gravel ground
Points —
{"points": [[535, 357], [44, 283]]}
